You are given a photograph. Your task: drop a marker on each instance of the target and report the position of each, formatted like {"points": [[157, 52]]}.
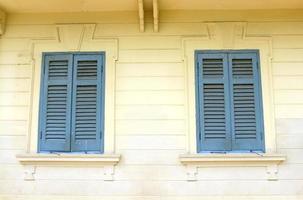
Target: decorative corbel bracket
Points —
{"points": [[2, 22], [32, 161], [29, 172], [194, 161]]}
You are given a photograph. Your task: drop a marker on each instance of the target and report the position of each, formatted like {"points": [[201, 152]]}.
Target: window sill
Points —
{"points": [[195, 161], [32, 161]]}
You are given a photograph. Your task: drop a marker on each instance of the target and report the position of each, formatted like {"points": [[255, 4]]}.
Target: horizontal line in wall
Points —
{"points": [[25, 51], [140, 119], [164, 76], [290, 135], [146, 62], [100, 36], [13, 135], [147, 180], [295, 75], [14, 78], [16, 65], [288, 118], [149, 134], [137, 119], [295, 48], [147, 90], [273, 62], [17, 120], [18, 106], [10, 64], [159, 181], [21, 148], [152, 149], [14, 92], [153, 165], [282, 148], [288, 104], [272, 34], [150, 104], [148, 49], [145, 36], [30, 37], [291, 90]]}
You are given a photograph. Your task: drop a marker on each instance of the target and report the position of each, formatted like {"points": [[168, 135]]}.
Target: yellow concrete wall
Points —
{"points": [[150, 113]]}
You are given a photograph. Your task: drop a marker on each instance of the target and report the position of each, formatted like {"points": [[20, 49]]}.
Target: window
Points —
{"points": [[72, 102], [229, 103]]}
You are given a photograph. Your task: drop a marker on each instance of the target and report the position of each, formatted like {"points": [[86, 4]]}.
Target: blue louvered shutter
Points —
{"points": [[213, 102], [87, 112], [246, 106], [55, 109]]}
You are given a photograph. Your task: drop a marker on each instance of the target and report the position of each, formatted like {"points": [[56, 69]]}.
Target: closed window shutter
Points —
{"points": [[87, 115], [213, 103], [54, 126], [247, 122]]}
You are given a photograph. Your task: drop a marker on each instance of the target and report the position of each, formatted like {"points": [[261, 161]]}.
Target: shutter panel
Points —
{"points": [[87, 103], [247, 122], [55, 103], [213, 101]]}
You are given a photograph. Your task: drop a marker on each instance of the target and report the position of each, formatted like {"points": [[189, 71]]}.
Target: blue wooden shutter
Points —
{"points": [[55, 104], [87, 113], [246, 106], [213, 102]]}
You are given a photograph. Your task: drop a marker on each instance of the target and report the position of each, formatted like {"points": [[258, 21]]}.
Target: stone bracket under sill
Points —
{"points": [[32, 161], [194, 161]]}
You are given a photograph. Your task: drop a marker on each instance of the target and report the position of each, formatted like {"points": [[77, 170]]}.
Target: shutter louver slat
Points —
{"points": [[212, 68], [86, 112], [87, 69], [58, 69], [56, 113], [244, 129], [213, 111]]}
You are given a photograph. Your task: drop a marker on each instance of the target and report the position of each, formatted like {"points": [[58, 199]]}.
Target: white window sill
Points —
{"points": [[32, 161], [195, 161]]}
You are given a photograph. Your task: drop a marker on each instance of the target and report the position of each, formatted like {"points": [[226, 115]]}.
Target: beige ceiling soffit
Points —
{"points": [[2, 22], [141, 15], [156, 15]]}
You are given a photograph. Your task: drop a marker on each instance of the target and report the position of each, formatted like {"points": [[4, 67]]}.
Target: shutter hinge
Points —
{"points": [[100, 134], [200, 137], [40, 135]]}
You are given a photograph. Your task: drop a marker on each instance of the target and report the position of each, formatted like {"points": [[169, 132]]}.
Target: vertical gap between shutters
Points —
{"points": [[72, 102], [229, 77]]}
